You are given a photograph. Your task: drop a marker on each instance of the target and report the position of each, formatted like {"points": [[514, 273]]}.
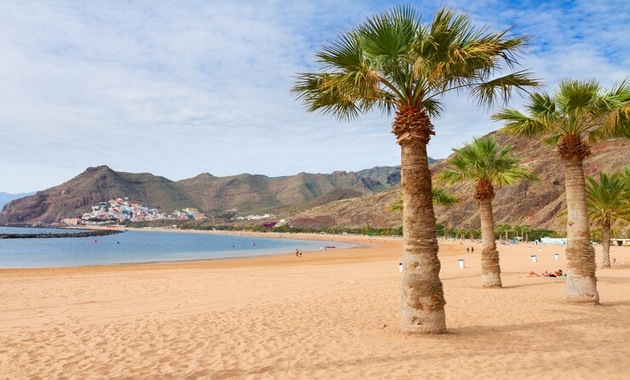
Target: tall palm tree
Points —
{"points": [[488, 166], [606, 204], [580, 114], [394, 63]]}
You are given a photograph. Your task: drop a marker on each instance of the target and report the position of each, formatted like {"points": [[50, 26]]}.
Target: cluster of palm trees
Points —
{"points": [[461, 233], [395, 63], [501, 231], [520, 231]]}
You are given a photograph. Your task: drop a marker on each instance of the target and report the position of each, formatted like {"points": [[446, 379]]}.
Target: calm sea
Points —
{"points": [[139, 247]]}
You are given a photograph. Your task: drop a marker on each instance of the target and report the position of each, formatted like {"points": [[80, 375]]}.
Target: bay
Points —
{"points": [[139, 247]]}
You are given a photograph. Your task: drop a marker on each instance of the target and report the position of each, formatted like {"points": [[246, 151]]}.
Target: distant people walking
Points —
{"points": [[298, 253]]}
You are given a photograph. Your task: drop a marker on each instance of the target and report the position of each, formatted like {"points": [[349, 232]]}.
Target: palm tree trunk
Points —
{"points": [[490, 268], [606, 246], [581, 284], [423, 301]]}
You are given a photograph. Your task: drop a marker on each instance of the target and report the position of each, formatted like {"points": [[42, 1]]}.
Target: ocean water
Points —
{"points": [[139, 247]]}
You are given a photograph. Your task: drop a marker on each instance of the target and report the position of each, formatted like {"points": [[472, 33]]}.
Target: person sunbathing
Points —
{"points": [[557, 273], [546, 273]]}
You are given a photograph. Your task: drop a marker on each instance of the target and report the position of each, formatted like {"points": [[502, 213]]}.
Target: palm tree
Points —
{"points": [[579, 115], [501, 228], [394, 63], [525, 229], [486, 165], [518, 230], [625, 174], [606, 204]]}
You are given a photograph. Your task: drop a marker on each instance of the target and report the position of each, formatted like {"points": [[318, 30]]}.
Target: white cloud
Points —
{"points": [[180, 88]]}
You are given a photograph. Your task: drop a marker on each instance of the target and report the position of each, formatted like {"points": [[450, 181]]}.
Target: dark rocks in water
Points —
{"points": [[47, 235]]}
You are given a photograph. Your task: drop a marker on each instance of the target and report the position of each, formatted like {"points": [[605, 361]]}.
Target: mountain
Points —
{"points": [[349, 199], [95, 185], [528, 203], [261, 194], [247, 193], [6, 197]]}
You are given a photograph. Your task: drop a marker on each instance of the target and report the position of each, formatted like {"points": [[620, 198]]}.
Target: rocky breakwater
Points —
{"points": [[46, 235]]}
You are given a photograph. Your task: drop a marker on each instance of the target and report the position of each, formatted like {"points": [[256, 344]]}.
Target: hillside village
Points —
{"points": [[121, 210]]}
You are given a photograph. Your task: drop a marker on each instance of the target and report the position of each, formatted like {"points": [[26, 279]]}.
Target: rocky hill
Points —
{"points": [[529, 203], [245, 193], [6, 197], [94, 185]]}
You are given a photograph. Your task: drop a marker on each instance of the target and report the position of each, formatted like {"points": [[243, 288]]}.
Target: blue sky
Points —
{"points": [[178, 88]]}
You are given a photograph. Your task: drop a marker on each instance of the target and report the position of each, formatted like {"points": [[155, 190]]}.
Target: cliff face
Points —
{"points": [[536, 204]]}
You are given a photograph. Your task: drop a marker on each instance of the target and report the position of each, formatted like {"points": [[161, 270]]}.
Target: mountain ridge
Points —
{"points": [[8, 197], [345, 199], [527, 203], [253, 193]]}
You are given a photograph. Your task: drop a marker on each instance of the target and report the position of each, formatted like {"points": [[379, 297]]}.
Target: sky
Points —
{"points": [[180, 88]]}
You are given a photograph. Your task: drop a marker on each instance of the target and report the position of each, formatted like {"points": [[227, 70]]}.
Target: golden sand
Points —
{"points": [[327, 315]]}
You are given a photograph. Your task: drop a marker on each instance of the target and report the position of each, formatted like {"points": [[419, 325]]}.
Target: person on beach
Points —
{"points": [[547, 273]]}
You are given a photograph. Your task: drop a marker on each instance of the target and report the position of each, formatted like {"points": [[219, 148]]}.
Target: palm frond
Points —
{"points": [[614, 106], [484, 160], [576, 96], [454, 55], [442, 198], [542, 106], [520, 124], [319, 93], [487, 93]]}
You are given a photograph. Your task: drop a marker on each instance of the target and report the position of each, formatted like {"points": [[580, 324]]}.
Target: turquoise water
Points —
{"points": [[139, 247]]}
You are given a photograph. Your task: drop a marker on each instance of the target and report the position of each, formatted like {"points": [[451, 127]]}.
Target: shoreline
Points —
{"points": [[339, 254], [332, 314], [358, 241]]}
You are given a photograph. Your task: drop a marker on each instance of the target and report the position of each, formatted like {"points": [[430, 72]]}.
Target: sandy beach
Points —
{"points": [[327, 315]]}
